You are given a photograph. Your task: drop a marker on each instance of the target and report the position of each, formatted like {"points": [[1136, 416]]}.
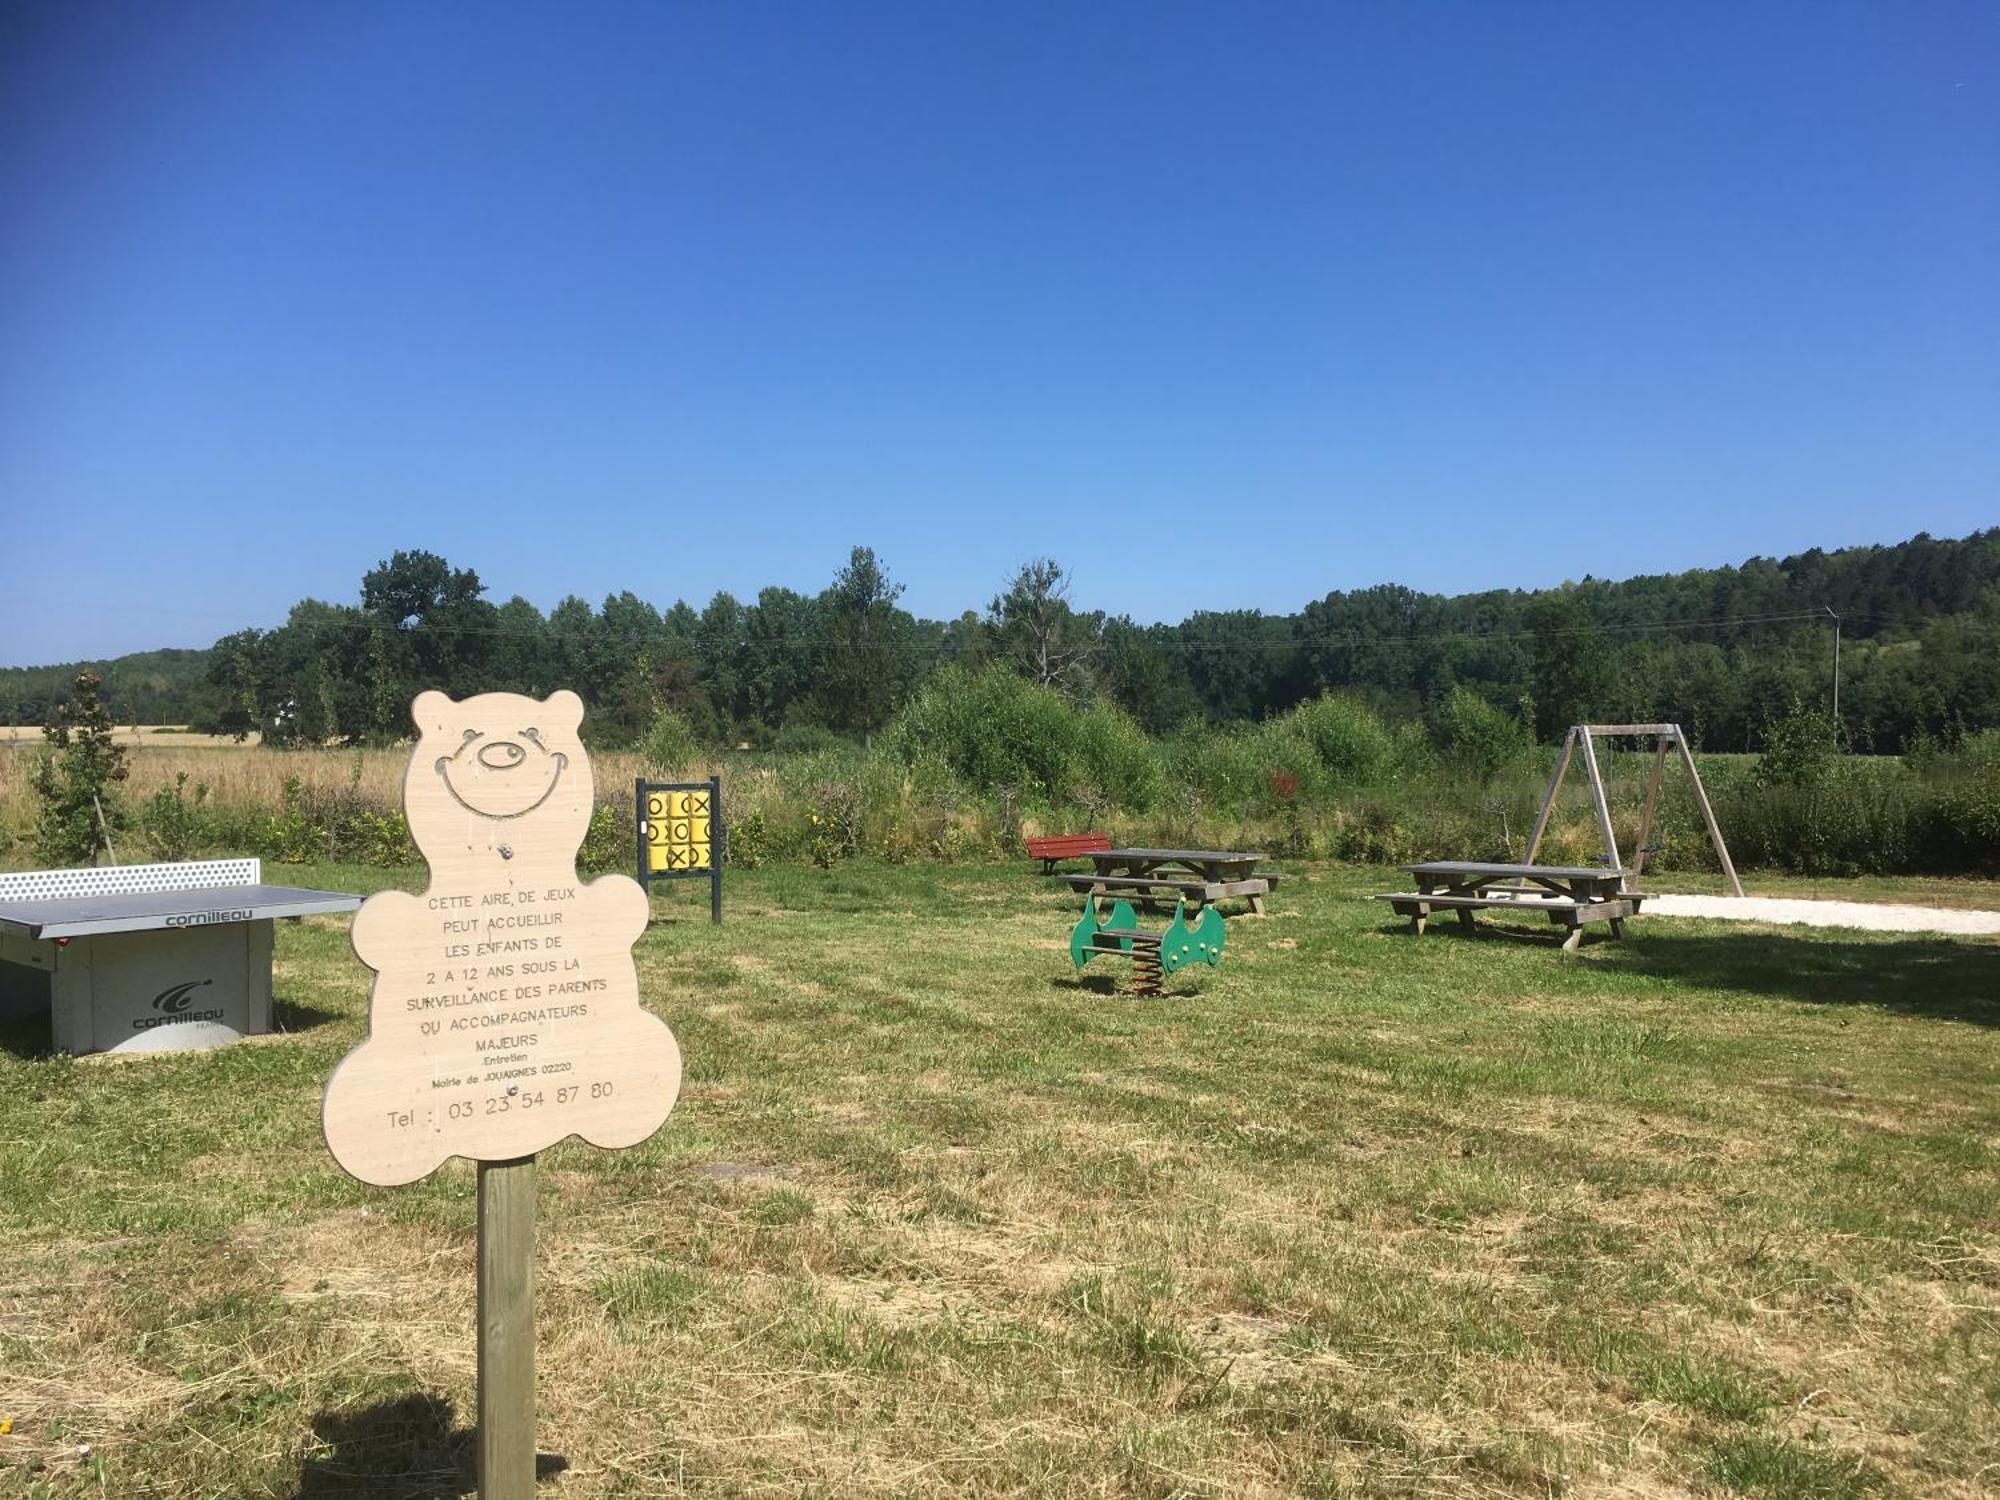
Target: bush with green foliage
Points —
{"points": [[611, 839], [670, 747], [1801, 748], [995, 730], [1348, 740], [173, 823], [1228, 768], [1474, 738], [745, 846], [807, 739], [76, 780], [319, 822]]}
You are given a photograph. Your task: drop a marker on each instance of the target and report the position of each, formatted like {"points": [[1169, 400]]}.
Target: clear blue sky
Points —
{"points": [[1222, 306]]}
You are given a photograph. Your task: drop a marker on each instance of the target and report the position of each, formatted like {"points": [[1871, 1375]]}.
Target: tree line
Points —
{"points": [[1722, 651]]}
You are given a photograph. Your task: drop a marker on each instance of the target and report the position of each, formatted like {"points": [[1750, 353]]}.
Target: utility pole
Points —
{"points": [[1836, 664]]}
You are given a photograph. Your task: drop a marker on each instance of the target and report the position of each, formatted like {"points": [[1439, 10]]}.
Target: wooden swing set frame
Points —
{"points": [[1665, 737]]}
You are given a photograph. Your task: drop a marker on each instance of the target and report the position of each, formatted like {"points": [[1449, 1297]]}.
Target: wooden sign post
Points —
{"points": [[505, 1015]]}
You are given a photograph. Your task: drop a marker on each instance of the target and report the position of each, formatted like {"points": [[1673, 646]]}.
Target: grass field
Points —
{"points": [[1715, 1210]]}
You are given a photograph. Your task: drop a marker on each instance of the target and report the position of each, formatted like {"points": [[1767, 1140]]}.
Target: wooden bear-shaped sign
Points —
{"points": [[505, 1014]]}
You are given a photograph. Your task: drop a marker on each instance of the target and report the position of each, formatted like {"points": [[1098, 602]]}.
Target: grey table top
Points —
{"points": [[1188, 856], [145, 911], [1480, 867]]}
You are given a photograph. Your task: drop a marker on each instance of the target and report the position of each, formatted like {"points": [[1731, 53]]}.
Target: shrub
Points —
{"points": [[807, 739], [1230, 768], [1824, 816], [835, 822], [76, 780], [611, 841], [318, 822], [1348, 740], [1964, 830], [1475, 738], [996, 730], [1799, 749], [1116, 758], [670, 746], [288, 834], [746, 846], [173, 824]]}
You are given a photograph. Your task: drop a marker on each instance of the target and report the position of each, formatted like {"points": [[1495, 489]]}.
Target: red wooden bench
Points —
{"points": [[1066, 846]]}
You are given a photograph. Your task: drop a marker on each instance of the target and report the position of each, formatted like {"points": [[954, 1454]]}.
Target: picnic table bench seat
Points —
{"points": [[1416, 906], [1193, 889]]}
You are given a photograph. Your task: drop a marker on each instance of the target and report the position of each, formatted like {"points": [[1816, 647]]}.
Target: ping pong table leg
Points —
{"points": [[259, 940]]}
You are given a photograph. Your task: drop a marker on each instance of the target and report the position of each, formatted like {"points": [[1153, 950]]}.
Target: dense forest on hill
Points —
{"points": [[1723, 651]]}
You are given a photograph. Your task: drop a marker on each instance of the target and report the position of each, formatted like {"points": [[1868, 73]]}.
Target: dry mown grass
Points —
{"points": [[1703, 1212]]}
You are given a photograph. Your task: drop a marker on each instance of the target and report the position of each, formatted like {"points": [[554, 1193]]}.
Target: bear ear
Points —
{"points": [[565, 706], [432, 710]]}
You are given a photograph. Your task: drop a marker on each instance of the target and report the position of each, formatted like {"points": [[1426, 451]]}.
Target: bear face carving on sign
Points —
{"points": [[505, 1014]]}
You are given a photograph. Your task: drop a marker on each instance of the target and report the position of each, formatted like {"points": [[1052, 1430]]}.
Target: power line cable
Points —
{"points": [[810, 638]]}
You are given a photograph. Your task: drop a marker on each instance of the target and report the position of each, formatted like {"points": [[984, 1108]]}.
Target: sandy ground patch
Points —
{"points": [[1869, 916]]}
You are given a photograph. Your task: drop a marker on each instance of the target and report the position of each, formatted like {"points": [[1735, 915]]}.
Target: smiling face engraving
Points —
{"points": [[501, 777]]}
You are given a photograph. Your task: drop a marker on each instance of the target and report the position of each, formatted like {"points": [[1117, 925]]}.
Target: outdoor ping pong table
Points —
{"points": [[146, 958]]}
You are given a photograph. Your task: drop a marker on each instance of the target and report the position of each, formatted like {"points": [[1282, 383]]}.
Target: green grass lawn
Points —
{"points": [[1709, 1211]]}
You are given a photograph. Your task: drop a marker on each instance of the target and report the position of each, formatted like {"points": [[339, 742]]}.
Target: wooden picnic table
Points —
{"points": [[1569, 894], [1198, 876]]}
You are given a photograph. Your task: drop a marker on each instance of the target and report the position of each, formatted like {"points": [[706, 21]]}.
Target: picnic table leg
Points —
{"points": [[1618, 927], [1465, 918], [1425, 886], [1256, 906], [1575, 937]]}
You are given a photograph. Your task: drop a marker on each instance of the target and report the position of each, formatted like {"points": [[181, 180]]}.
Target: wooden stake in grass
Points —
{"points": [[507, 1329]]}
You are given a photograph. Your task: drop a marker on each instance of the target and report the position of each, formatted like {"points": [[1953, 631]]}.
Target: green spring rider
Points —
{"points": [[1154, 955]]}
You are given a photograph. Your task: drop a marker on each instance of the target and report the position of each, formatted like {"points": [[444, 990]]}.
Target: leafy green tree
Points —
{"points": [[439, 611], [1715, 650], [782, 651], [76, 779], [633, 669], [312, 676], [721, 657], [1241, 663], [965, 642], [238, 690], [1143, 672], [519, 661], [871, 657], [386, 708], [1574, 674]]}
